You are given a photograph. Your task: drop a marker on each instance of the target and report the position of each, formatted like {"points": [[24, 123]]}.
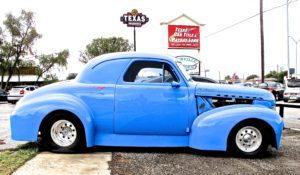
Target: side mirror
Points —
{"points": [[175, 84]]}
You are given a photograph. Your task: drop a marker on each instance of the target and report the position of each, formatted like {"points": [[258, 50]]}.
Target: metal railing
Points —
{"points": [[288, 105]]}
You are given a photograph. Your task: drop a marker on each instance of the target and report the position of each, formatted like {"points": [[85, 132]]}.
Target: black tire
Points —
{"points": [[49, 144], [286, 100], [276, 96], [232, 141]]}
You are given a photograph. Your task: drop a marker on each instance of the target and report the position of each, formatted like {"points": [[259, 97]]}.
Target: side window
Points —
{"points": [[27, 89], [149, 72], [31, 88]]}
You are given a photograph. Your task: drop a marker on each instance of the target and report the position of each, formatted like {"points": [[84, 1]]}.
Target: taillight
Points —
{"points": [[270, 89], [22, 91]]}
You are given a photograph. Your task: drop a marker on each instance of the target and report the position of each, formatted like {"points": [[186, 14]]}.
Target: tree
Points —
{"points": [[19, 37], [47, 62], [279, 76], [101, 46], [250, 77], [228, 77]]}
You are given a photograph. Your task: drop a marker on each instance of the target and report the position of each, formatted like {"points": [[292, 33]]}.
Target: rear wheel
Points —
{"points": [[63, 133], [248, 139]]}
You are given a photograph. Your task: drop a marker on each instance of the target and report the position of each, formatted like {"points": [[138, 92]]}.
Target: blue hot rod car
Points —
{"points": [[146, 100]]}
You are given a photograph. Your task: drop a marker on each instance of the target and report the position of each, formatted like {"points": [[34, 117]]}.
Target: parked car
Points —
{"points": [[246, 84], [203, 79], [277, 89], [292, 91], [3, 95], [17, 92], [108, 105]]}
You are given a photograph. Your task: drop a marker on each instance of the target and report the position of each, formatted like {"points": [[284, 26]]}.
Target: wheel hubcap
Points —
{"points": [[248, 139], [63, 133]]}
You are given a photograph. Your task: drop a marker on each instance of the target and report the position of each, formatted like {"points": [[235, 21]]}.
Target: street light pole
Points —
{"points": [[288, 34], [296, 43]]}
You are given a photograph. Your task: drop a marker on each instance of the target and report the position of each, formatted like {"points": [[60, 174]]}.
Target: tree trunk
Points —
{"points": [[2, 79], [37, 80], [18, 71], [10, 73]]}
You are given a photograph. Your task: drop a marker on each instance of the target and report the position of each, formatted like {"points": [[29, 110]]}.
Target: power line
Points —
{"points": [[246, 19]]}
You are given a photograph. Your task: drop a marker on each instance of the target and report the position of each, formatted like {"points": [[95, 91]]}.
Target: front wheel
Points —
{"points": [[63, 134], [249, 140]]}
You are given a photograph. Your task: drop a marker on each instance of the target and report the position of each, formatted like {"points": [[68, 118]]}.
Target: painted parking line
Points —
{"points": [[66, 164]]}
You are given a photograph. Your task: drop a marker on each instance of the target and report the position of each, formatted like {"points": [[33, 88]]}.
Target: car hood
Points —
{"points": [[230, 91]]}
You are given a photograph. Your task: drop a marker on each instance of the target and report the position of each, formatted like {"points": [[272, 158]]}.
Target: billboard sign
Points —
{"points": [[183, 37], [189, 63], [134, 19]]}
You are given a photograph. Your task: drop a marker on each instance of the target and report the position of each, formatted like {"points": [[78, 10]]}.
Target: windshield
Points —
{"points": [[293, 83], [184, 72]]}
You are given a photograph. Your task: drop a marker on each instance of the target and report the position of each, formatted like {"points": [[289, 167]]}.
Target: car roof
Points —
{"points": [[121, 55], [200, 78]]}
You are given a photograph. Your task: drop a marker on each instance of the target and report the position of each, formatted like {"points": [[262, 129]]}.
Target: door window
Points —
{"points": [[150, 72]]}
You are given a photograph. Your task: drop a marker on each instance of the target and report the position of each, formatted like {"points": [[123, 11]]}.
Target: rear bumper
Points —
{"points": [[291, 97], [14, 98]]}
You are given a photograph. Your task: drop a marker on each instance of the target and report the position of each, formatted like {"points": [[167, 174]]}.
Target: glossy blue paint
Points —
{"points": [[210, 130], [119, 113]]}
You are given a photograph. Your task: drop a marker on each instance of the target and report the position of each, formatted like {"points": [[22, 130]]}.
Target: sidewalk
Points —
{"points": [[65, 164]]}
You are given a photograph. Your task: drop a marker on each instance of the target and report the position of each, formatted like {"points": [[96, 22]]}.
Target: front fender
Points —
{"points": [[32, 112], [211, 129]]}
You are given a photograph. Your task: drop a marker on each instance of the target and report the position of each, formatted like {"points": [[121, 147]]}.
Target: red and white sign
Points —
{"points": [[184, 37]]}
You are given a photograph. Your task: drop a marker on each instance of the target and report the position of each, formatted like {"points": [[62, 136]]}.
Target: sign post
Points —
{"points": [[134, 19]]}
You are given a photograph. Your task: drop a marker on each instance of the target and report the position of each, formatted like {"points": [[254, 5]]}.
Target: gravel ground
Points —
{"points": [[148, 161]]}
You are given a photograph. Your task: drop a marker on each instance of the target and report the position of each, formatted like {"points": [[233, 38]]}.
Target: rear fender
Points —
{"points": [[210, 130], [35, 111]]}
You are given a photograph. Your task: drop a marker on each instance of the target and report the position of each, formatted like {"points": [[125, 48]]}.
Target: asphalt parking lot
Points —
{"points": [[188, 161]]}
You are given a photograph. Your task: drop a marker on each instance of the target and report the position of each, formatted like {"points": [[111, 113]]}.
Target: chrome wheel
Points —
{"points": [[248, 139], [63, 133]]}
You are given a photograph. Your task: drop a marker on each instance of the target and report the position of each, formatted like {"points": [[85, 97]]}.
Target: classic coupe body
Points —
{"points": [[146, 100]]}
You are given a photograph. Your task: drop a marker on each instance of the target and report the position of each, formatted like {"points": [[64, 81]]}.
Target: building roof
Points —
{"points": [[23, 78], [182, 16]]}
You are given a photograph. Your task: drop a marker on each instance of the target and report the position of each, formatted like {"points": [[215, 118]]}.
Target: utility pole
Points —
{"points": [[262, 50], [134, 39]]}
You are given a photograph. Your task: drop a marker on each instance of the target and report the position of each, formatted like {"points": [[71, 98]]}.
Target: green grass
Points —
{"points": [[13, 159]]}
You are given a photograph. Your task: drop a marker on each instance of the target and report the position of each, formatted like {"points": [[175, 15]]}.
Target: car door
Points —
{"points": [[147, 104]]}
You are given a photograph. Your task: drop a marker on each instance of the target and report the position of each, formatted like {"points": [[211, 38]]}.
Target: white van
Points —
{"points": [[292, 91]]}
